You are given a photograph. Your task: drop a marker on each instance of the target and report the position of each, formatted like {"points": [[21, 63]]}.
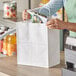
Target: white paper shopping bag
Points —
{"points": [[37, 45]]}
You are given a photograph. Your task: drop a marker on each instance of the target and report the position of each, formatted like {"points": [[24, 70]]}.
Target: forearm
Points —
{"points": [[51, 7], [70, 26]]}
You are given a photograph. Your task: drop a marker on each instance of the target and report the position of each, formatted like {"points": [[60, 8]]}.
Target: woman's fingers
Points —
{"points": [[25, 15], [50, 22], [51, 27], [54, 24]]}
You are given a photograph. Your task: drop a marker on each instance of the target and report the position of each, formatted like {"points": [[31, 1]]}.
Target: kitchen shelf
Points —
{"points": [[10, 22]]}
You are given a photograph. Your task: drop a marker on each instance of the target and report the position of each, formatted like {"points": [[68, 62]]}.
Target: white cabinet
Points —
{"points": [[21, 5], [24, 4], [35, 3]]}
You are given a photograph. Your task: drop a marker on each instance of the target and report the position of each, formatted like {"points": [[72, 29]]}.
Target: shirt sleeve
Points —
{"points": [[51, 7]]}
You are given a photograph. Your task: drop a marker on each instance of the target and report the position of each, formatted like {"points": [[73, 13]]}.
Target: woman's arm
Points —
{"points": [[48, 9], [58, 24], [51, 7], [71, 26]]}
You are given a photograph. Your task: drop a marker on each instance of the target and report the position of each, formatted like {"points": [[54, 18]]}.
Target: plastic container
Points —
{"points": [[10, 9]]}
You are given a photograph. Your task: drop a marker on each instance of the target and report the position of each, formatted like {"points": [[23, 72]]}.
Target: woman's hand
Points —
{"points": [[25, 15], [56, 24]]}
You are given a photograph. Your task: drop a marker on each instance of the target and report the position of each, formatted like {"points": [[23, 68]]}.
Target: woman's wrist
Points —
{"points": [[67, 26], [71, 26]]}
